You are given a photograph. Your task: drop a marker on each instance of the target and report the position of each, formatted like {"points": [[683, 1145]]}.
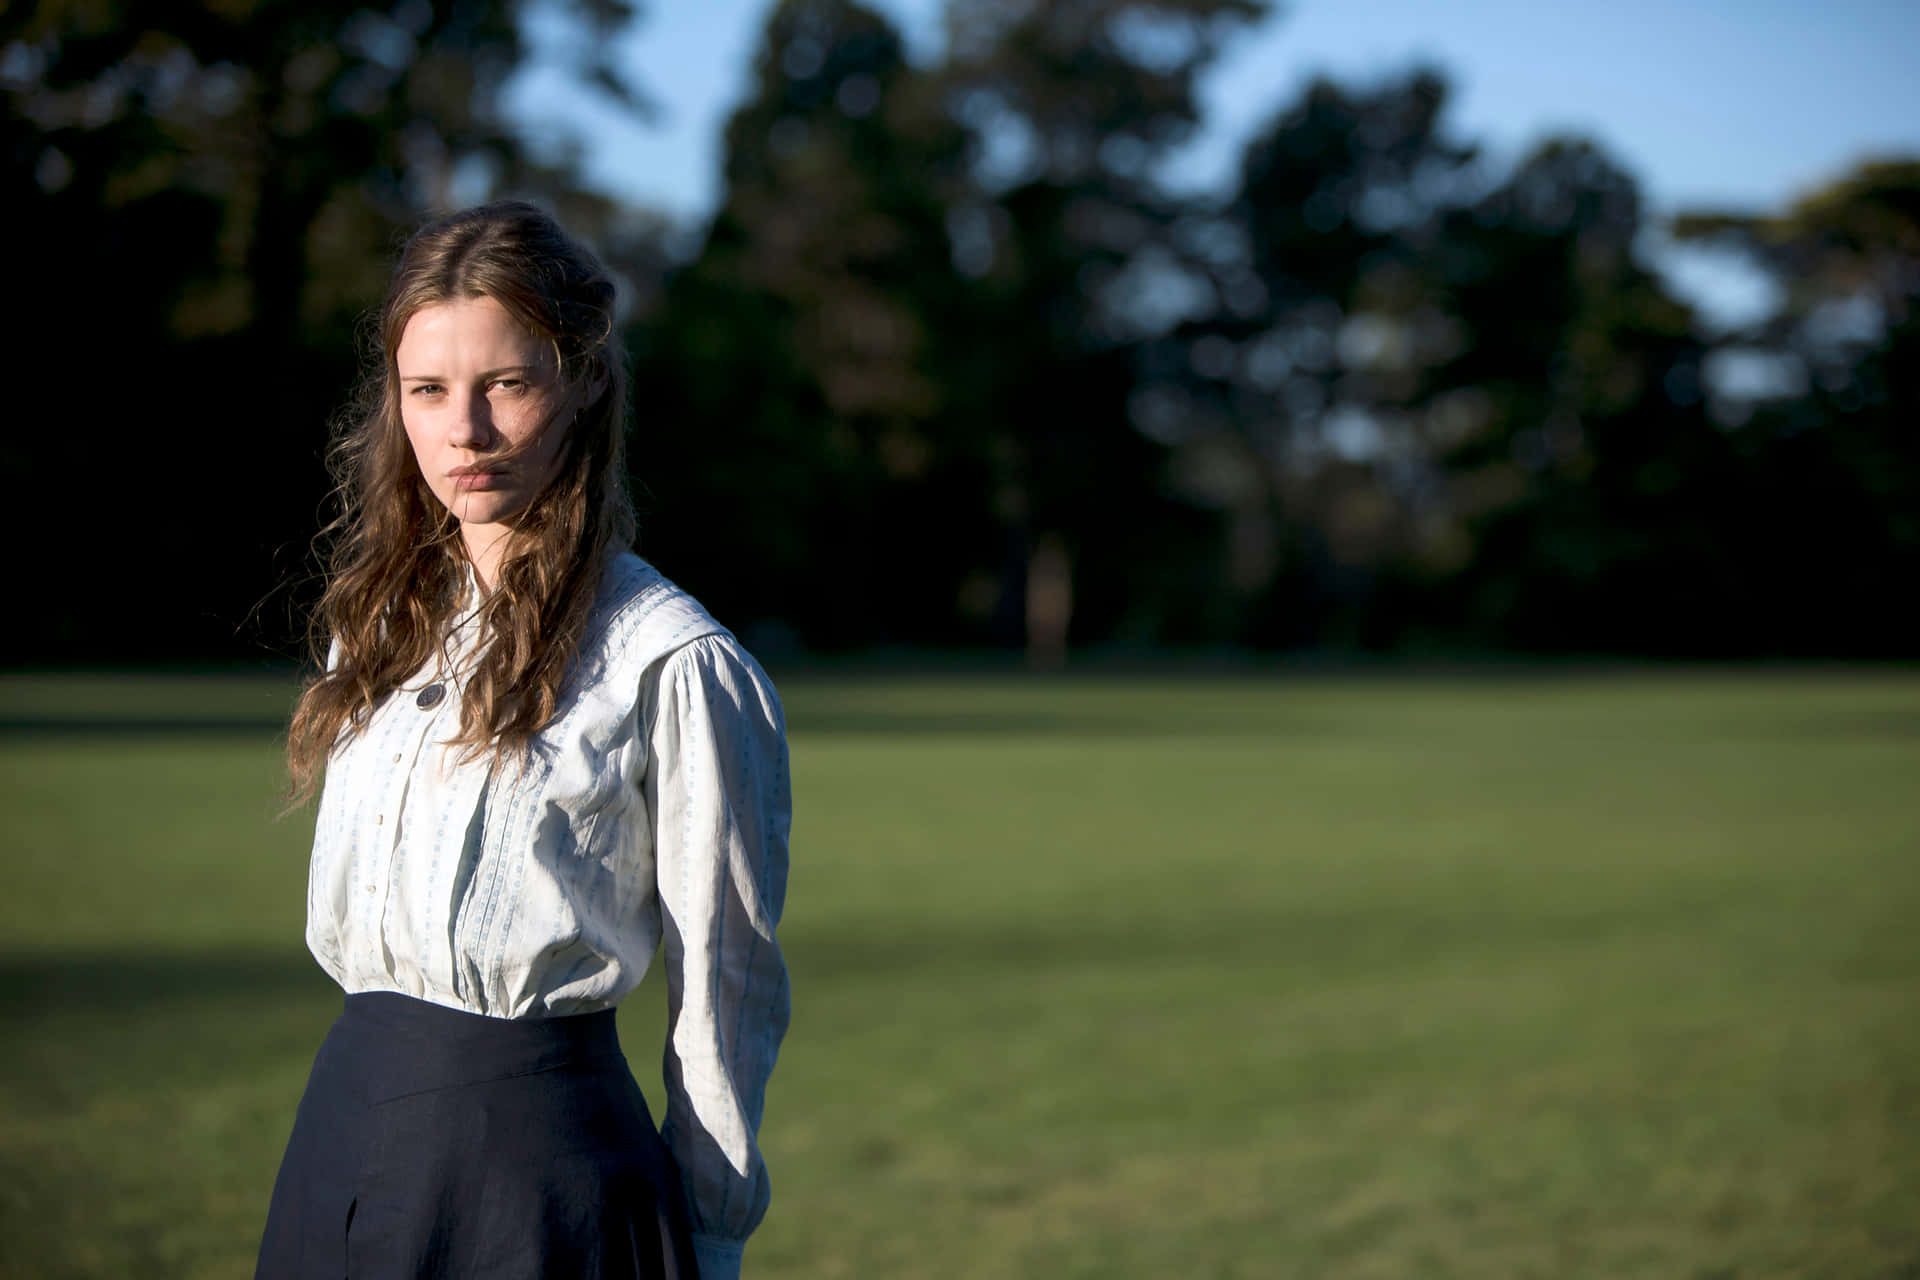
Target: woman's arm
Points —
{"points": [[718, 792]]}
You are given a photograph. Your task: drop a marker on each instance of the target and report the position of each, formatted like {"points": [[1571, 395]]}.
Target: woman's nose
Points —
{"points": [[472, 424]]}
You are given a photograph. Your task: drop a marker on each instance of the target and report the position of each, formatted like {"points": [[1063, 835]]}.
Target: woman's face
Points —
{"points": [[476, 389]]}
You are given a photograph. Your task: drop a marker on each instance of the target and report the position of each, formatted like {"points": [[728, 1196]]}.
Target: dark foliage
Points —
{"points": [[950, 366]]}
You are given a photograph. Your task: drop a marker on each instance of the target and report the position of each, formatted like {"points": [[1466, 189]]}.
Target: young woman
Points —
{"points": [[542, 762]]}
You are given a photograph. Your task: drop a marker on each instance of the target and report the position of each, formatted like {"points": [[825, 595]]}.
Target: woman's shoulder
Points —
{"points": [[660, 642], [642, 615]]}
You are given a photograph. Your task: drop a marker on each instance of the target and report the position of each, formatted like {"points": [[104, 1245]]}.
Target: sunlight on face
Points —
{"points": [[477, 392]]}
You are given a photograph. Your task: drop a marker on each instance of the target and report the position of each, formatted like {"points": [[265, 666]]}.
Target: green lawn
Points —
{"points": [[1604, 976]]}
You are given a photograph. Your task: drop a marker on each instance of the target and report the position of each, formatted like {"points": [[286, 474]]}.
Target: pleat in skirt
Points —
{"points": [[435, 1142]]}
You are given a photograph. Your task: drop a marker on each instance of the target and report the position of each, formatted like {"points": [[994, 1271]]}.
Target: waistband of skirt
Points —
{"points": [[408, 1045]]}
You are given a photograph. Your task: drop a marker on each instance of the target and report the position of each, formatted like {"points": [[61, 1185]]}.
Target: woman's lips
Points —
{"points": [[467, 481]]}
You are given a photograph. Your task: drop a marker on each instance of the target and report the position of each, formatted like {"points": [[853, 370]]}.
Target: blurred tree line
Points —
{"points": [[950, 366]]}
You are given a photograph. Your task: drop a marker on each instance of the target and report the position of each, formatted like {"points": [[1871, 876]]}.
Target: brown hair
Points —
{"points": [[396, 566]]}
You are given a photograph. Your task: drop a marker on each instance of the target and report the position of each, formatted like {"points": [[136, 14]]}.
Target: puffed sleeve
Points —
{"points": [[721, 804]]}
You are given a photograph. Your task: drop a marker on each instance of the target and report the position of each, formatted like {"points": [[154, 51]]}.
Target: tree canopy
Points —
{"points": [[951, 365]]}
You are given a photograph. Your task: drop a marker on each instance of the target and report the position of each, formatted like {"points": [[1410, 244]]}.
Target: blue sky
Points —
{"points": [[1725, 103]]}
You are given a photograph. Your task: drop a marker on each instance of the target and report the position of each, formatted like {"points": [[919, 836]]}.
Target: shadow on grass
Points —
{"points": [[43, 981], [1039, 722], [144, 1095], [1892, 723], [140, 727], [130, 1022], [996, 953], [1285, 943]]}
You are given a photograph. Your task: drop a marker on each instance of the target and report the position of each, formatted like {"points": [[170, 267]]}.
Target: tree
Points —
{"points": [[1593, 487], [1830, 435], [1440, 403], [208, 195], [797, 372], [1071, 107], [1298, 395]]}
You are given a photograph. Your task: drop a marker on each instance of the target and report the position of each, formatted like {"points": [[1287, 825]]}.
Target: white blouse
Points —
{"points": [[652, 812]]}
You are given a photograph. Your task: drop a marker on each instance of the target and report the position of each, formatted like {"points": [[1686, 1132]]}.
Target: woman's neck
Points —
{"points": [[486, 545]]}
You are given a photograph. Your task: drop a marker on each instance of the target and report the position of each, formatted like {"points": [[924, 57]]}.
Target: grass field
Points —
{"points": [[1587, 976]]}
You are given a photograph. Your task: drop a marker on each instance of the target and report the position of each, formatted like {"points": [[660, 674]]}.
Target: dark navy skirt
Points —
{"points": [[434, 1142]]}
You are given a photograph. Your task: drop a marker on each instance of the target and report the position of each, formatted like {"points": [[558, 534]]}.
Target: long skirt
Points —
{"points": [[435, 1142]]}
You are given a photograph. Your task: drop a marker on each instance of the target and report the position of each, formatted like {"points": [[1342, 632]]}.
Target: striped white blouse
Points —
{"points": [[652, 814]]}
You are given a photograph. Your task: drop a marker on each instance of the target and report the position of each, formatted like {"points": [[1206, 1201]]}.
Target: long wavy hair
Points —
{"points": [[396, 569]]}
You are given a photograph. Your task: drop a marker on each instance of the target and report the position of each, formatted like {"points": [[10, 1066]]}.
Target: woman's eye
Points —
{"points": [[426, 389], [508, 384]]}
